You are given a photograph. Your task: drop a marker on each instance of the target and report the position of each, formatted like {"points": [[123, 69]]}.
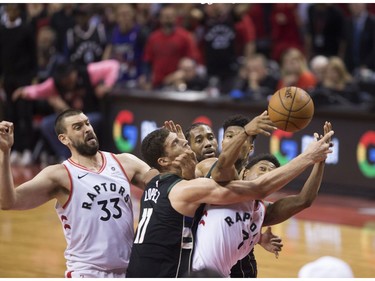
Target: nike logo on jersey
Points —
{"points": [[81, 176]]}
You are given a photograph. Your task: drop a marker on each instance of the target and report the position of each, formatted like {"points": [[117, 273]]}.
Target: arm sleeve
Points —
{"points": [[41, 91], [106, 71]]}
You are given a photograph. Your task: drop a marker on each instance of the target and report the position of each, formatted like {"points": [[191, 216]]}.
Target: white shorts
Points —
{"points": [[95, 274]]}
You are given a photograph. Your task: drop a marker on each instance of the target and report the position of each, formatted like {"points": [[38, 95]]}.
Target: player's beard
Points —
{"points": [[86, 149]]}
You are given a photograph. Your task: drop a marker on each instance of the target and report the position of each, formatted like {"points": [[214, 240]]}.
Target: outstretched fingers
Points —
{"points": [[327, 137], [327, 128], [174, 128]]}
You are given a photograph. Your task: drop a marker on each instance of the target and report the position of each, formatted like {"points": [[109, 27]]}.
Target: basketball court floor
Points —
{"points": [[32, 242]]}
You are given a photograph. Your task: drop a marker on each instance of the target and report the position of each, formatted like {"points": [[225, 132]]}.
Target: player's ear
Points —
{"points": [[163, 161], [63, 138]]}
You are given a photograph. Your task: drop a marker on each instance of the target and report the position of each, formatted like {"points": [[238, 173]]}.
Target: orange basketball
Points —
{"points": [[291, 109]]}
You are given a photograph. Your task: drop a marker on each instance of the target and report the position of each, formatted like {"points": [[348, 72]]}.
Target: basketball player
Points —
{"points": [[203, 142], [238, 144], [168, 198], [236, 150], [239, 224], [92, 189]]}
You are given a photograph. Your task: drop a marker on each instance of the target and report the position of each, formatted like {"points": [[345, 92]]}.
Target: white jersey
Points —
{"points": [[227, 234], [97, 219]]}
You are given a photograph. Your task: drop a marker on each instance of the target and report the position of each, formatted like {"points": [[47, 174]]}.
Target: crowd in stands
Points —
{"points": [[54, 56]]}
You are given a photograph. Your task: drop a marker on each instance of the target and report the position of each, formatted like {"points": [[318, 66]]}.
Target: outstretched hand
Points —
{"points": [[319, 149], [327, 128], [174, 128], [261, 124], [270, 242], [17, 94]]}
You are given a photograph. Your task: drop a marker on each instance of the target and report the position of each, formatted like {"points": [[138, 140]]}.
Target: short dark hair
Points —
{"points": [[193, 126], [236, 120], [153, 148], [61, 71], [264, 156], [59, 121]]}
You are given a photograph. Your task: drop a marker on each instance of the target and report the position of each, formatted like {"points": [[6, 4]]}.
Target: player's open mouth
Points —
{"points": [[209, 153], [90, 138]]}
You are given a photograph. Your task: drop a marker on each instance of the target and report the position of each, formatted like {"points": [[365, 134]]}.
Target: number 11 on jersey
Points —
{"points": [[142, 226]]}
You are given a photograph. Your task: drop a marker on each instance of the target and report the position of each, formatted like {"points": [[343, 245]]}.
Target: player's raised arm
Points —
{"points": [[225, 169], [187, 194], [285, 208], [48, 184]]}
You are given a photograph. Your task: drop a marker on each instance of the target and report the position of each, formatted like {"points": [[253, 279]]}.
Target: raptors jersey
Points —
{"points": [[226, 234], [97, 219]]}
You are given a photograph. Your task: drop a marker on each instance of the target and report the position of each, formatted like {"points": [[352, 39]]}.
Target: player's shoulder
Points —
{"points": [[56, 168], [130, 161], [57, 171], [206, 164], [125, 157], [208, 161]]}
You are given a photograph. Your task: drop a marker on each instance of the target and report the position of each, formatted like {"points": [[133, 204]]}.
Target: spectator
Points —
{"points": [[187, 16], [318, 65], [286, 29], [337, 87], [18, 68], [187, 77], [147, 15], [62, 20], [47, 55], [256, 80], [85, 42], [72, 87], [218, 43], [294, 71], [48, 58], [106, 14], [360, 39], [37, 16], [165, 47], [245, 32], [324, 34], [260, 15], [126, 45], [326, 267]]}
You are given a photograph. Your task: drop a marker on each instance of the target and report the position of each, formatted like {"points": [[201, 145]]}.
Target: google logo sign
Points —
{"points": [[366, 154], [125, 134], [283, 147]]}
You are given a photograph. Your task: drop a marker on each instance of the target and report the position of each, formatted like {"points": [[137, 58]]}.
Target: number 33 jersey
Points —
{"points": [[97, 219]]}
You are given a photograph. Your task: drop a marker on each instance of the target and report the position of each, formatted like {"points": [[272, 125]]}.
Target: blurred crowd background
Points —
{"points": [[54, 56]]}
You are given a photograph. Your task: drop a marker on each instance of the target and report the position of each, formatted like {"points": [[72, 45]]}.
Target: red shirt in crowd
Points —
{"points": [[164, 51]]}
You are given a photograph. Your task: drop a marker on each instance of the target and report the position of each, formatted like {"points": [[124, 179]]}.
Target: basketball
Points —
{"points": [[291, 109]]}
